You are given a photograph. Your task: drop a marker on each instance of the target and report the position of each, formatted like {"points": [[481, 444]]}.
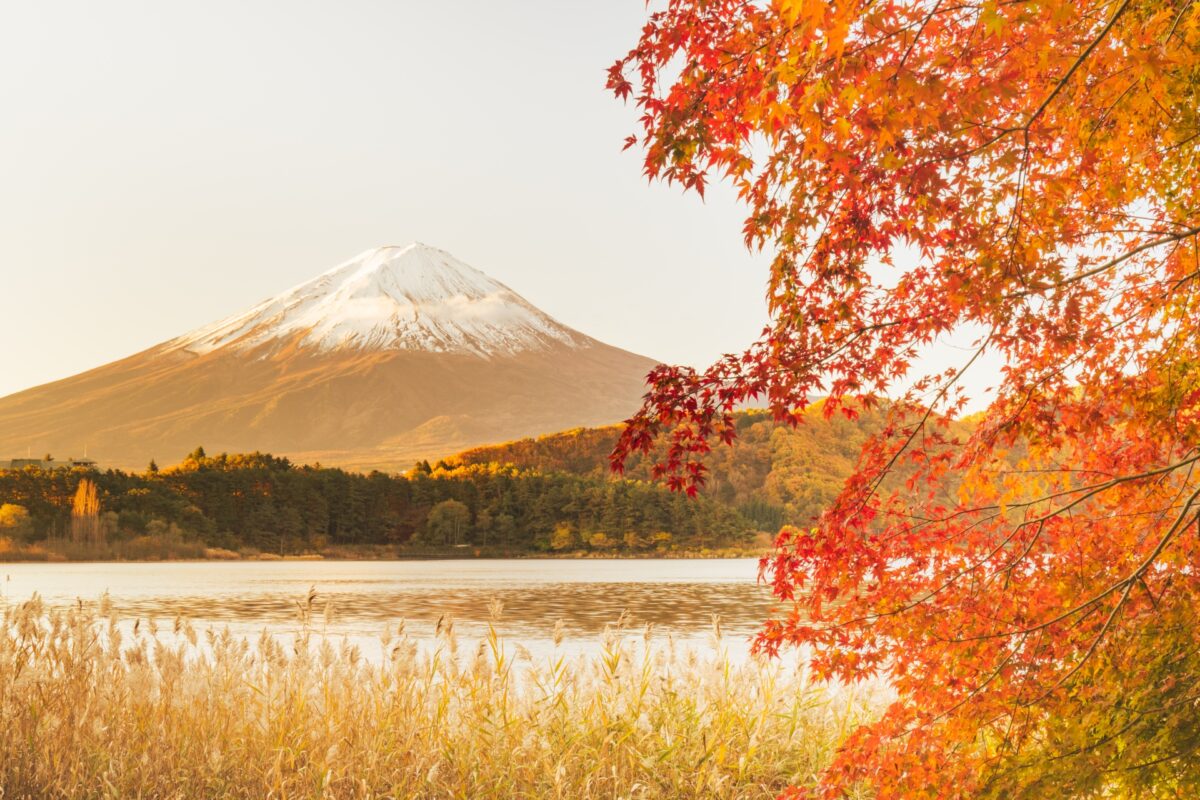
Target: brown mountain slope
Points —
{"points": [[380, 410]]}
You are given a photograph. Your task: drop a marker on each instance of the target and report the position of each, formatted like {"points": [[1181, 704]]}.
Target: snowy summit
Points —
{"points": [[392, 298]]}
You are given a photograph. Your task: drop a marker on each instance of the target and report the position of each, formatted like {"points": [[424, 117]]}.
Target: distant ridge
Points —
{"points": [[398, 354]]}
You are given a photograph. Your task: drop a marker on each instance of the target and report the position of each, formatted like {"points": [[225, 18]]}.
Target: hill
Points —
{"points": [[774, 473]]}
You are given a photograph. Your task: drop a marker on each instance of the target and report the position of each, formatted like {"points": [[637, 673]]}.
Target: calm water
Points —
{"points": [[678, 597]]}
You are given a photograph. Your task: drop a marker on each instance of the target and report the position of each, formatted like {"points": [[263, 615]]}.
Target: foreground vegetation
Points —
{"points": [[92, 713]]}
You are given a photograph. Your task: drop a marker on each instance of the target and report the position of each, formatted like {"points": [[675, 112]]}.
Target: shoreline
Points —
{"points": [[50, 557]]}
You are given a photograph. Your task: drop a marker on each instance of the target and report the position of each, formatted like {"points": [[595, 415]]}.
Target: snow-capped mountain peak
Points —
{"points": [[414, 297]]}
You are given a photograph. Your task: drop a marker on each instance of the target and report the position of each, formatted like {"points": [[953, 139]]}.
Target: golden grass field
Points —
{"points": [[91, 710]]}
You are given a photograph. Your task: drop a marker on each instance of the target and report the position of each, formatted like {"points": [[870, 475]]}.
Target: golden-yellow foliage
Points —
{"points": [[85, 515]]}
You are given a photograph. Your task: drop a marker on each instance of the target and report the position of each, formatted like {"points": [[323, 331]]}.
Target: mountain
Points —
{"points": [[399, 354]]}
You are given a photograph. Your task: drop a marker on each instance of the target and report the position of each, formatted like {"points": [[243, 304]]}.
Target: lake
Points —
{"points": [[676, 596]]}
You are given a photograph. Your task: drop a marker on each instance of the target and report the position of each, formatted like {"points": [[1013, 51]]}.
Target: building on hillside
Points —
{"points": [[42, 463]]}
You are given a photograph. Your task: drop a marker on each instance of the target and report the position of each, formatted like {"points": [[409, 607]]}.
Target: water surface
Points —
{"points": [[676, 596]]}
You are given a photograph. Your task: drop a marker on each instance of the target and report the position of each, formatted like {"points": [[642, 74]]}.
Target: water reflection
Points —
{"points": [[677, 597], [584, 609]]}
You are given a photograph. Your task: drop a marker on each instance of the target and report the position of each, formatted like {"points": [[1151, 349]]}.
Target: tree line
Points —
{"points": [[778, 474], [260, 501]]}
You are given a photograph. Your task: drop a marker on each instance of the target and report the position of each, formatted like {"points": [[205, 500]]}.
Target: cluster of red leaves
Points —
{"points": [[1030, 589]]}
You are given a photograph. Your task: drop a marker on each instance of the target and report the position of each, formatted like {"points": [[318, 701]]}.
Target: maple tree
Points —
{"points": [[1029, 587]]}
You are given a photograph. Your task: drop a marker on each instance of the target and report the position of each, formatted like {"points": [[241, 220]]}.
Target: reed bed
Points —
{"points": [[93, 710]]}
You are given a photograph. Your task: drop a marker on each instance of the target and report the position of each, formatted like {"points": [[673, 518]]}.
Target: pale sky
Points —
{"points": [[165, 164]]}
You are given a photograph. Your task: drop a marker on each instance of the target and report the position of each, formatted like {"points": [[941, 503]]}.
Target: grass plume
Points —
{"points": [[93, 709]]}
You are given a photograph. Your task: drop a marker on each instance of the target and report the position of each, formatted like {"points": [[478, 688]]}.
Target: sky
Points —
{"points": [[167, 164]]}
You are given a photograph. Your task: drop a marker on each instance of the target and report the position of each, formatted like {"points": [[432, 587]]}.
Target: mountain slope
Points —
{"points": [[401, 353]]}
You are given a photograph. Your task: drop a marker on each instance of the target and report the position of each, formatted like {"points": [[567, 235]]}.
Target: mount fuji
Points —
{"points": [[414, 298], [398, 354]]}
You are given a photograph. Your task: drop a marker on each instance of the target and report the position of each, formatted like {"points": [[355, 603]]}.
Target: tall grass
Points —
{"points": [[90, 710]]}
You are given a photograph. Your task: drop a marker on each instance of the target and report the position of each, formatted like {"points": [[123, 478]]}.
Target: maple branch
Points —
{"points": [[1062, 83], [1129, 582], [946, 584], [1108, 622], [879, 476], [1121, 584], [904, 59], [1091, 305], [1171, 238], [1155, 762], [1040, 522], [1090, 490], [977, 690], [1041, 109]]}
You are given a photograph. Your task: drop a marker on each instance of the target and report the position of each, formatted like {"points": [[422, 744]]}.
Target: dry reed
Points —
{"points": [[92, 710]]}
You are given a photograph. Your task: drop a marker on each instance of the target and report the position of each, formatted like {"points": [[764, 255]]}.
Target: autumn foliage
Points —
{"points": [[1027, 173]]}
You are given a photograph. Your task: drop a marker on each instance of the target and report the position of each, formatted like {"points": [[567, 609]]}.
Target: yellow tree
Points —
{"points": [[85, 515]]}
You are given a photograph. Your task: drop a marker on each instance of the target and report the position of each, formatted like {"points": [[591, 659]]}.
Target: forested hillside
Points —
{"points": [[774, 474], [260, 502], [551, 494]]}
